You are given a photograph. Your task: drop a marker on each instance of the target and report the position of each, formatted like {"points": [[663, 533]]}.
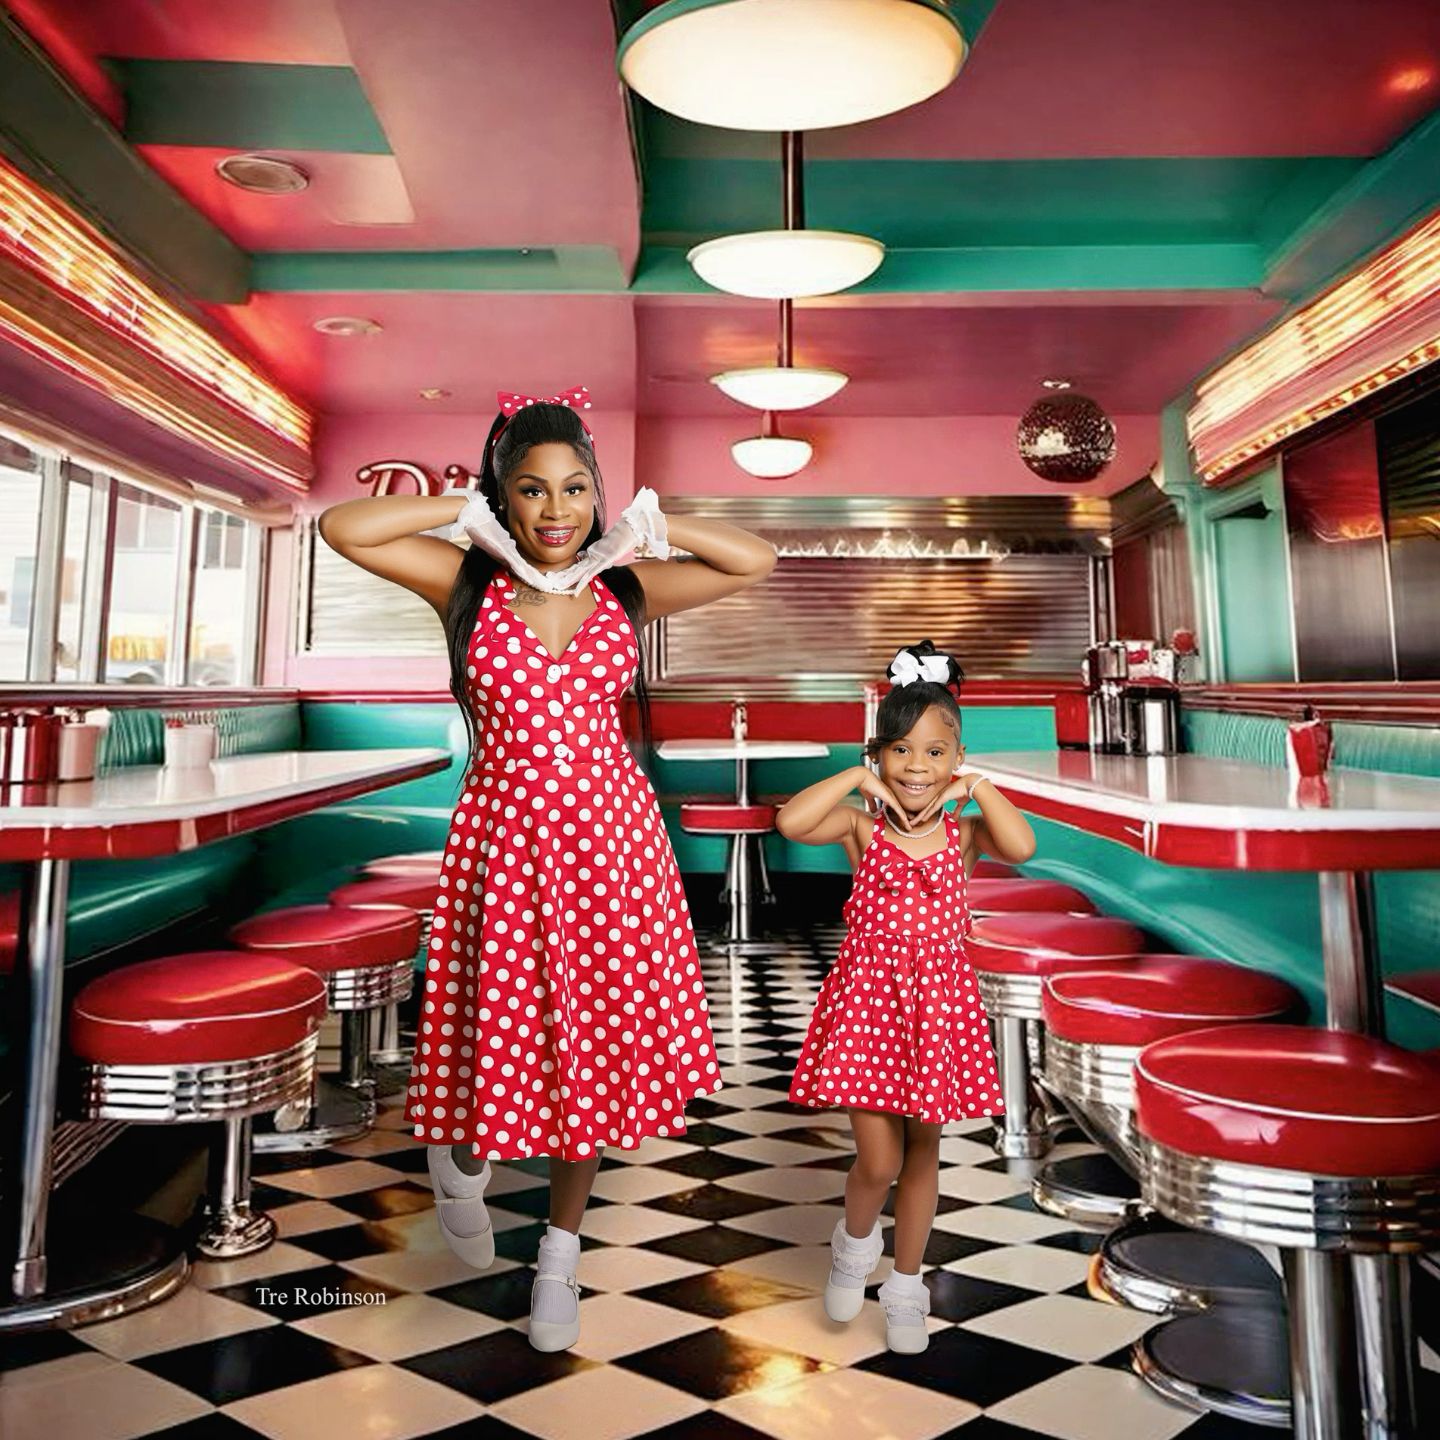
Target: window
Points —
{"points": [[74, 581], [140, 626], [223, 617], [20, 487]]}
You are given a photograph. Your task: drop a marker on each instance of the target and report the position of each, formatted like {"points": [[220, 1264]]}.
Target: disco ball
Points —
{"points": [[1066, 438]]}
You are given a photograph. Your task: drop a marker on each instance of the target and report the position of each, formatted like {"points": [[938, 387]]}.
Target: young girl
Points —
{"points": [[899, 1035]]}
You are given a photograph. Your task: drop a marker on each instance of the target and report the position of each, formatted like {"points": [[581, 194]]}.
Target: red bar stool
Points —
{"points": [[417, 892], [366, 959], [201, 1037], [1096, 1024], [1327, 1145], [746, 825], [428, 863], [993, 870], [1011, 897], [1011, 955]]}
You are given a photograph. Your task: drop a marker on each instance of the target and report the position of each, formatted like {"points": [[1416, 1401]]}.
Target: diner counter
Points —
{"points": [[140, 811]]}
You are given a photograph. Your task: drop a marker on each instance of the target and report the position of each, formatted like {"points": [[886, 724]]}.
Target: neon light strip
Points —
{"points": [[1365, 327], [49, 239]]}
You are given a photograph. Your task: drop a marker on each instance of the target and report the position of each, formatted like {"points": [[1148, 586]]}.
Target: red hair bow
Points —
{"points": [[577, 398]]}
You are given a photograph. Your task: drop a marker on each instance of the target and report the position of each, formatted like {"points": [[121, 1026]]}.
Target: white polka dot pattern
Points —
{"points": [[563, 1008], [899, 1026]]}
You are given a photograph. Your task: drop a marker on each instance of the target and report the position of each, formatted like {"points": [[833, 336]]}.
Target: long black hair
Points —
{"points": [[509, 441], [902, 707]]}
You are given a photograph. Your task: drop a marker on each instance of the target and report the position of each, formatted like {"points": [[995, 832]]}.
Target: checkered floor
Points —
{"points": [[702, 1265]]}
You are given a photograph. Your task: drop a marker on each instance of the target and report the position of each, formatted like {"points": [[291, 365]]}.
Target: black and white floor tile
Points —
{"points": [[702, 1267]]}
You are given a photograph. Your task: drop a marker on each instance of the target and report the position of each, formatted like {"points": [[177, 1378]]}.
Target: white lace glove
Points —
{"points": [[641, 522]]}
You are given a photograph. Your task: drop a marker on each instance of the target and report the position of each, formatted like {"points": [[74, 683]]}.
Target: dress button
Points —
{"points": [[554, 673]]}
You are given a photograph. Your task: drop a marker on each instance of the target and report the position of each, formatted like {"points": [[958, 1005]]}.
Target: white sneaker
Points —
{"points": [[851, 1262], [906, 1302], [555, 1296], [460, 1207]]}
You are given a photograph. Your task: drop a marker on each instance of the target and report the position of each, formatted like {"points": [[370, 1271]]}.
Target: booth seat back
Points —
{"points": [[1396, 749], [137, 736]]}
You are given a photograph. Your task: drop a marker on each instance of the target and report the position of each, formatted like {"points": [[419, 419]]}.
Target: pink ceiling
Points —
{"points": [[476, 100], [1069, 79], [1134, 355], [471, 345]]}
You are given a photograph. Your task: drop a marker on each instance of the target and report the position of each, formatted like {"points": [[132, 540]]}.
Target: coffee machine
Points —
{"points": [[1105, 671]]}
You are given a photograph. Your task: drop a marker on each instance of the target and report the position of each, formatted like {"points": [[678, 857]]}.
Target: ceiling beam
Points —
{"points": [[51, 132]]}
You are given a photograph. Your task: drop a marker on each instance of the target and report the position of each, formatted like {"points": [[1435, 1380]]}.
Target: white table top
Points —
{"points": [[146, 810], [723, 749], [1197, 810]]}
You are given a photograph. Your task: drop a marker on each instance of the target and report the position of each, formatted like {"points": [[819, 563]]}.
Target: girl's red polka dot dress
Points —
{"points": [[899, 1026], [563, 1008]]}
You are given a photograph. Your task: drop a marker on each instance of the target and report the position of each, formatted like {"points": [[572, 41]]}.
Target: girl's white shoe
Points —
{"points": [[851, 1262], [460, 1207], [555, 1295], [906, 1302]]}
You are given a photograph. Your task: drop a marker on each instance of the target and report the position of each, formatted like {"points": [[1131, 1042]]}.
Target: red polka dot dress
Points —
{"points": [[563, 1009], [899, 1026]]}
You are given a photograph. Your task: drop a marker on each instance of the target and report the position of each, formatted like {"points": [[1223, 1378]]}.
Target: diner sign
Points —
{"points": [[395, 477]]}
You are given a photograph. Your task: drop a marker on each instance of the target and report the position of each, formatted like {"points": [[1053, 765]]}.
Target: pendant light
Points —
{"points": [[793, 262], [771, 455], [791, 64], [784, 385]]}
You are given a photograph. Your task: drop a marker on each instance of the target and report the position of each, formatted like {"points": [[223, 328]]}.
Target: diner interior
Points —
{"points": [[1096, 341]]}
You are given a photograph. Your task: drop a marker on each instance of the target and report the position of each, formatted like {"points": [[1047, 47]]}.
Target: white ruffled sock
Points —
{"points": [[554, 1301]]}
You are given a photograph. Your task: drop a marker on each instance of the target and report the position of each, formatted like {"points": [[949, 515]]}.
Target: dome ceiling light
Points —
{"points": [[791, 64], [791, 263], [784, 385], [347, 326], [771, 455], [1066, 438]]}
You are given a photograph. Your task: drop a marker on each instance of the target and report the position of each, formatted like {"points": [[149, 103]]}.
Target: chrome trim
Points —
{"points": [[217, 1090], [370, 987], [1013, 996], [1359, 1215], [77, 1143], [1267, 1411], [1097, 1082]]}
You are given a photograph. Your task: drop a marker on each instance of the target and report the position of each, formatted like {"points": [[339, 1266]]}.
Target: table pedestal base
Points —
{"points": [[99, 1267], [1088, 1190]]}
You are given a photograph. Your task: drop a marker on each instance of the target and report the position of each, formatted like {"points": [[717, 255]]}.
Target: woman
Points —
{"points": [[563, 1008]]}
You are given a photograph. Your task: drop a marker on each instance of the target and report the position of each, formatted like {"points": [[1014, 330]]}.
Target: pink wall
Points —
{"points": [[949, 455]]}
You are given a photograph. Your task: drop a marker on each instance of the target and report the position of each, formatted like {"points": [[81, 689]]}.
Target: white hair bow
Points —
{"points": [[907, 668]]}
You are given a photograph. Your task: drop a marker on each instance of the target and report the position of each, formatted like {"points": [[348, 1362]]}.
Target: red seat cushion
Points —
{"points": [[1153, 996], [1423, 987], [993, 870], [415, 891], [726, 817], [1037, 944], [1006, 896], [1323, 1102], [209, 1006], [332, 937], [419, 862]]}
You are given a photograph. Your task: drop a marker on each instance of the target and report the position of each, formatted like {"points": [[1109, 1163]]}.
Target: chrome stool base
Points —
{"points": [[337, 1113], [1087, 1190], [239, 1232], [1233, 1361], [1149, 1264], [99, 1268]]}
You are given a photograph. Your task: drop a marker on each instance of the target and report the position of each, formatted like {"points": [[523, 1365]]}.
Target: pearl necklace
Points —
{"points": [[916, 834]]}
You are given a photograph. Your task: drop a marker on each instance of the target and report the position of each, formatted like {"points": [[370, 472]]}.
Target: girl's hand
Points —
{"points": [[958, 789], [872, 787]]}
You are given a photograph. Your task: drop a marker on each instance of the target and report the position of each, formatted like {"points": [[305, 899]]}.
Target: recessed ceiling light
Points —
{"points": [[263, 174], [434, 393], [786, 264], [347, 325], [791, 64], [780, 387], [1056, 384]]}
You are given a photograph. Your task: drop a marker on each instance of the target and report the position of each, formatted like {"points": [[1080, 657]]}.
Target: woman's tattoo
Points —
{"points": [[527, 595]]}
